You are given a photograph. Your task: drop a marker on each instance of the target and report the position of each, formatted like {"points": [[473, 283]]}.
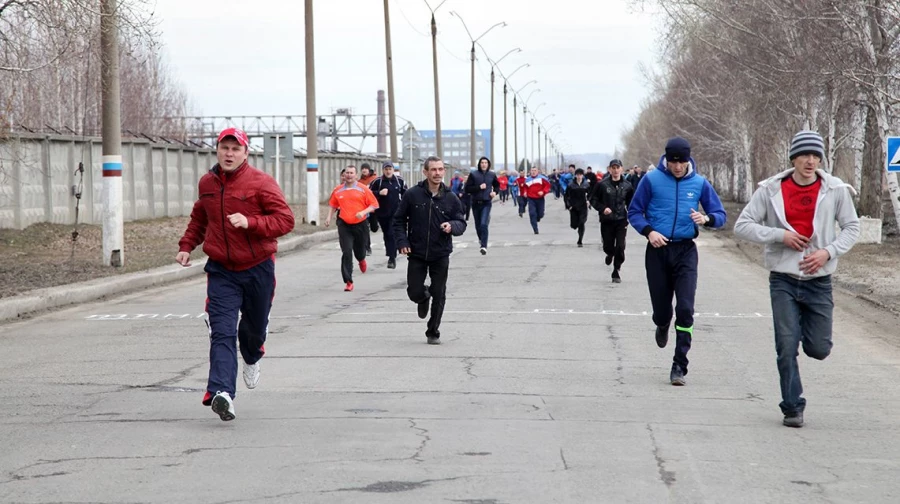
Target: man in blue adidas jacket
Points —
{"points": [[665, 210]]}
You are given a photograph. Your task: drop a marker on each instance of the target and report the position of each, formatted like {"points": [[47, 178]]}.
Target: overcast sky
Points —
{"points": [[247, 58]]}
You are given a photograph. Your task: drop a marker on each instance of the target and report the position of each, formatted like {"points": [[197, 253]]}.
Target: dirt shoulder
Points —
{"points": [[869, 272], [44, 255]]}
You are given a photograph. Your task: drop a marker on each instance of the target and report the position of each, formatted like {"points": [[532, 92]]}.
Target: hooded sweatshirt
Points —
{"points": [[763, 221], [486, 177]]}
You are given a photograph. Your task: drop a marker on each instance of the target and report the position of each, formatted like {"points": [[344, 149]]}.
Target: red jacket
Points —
{"points": [[250, 192], [536, 185], [520, 182]]}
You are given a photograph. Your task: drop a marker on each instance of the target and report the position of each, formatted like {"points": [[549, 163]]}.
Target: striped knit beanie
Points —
{"points": [[807, 142]]}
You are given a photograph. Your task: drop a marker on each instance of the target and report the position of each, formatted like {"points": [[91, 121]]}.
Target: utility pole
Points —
{"points": [[532, 137], [491, 150], [312, 126], [505, 124], [515, 136], [539, 147], [390, 79], [437, 99], [113, 218], [472, 102], [524, 135], [546, 147]]}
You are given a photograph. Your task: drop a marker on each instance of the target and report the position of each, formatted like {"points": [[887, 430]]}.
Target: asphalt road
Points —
{"points": [[548, 388]]}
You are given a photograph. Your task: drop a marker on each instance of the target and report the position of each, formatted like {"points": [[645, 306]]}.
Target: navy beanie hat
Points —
{"points": [[807, 142], [678, 149]]}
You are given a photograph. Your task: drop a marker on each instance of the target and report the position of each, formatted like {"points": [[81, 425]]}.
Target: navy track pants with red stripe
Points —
{"points": [[230, 294]]}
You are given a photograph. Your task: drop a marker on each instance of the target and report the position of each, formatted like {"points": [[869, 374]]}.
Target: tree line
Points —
{"points": [[50, 68], [738, 79]]}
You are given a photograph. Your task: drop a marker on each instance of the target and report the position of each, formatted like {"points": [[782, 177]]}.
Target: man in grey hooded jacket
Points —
{"points": [[794, 215]]}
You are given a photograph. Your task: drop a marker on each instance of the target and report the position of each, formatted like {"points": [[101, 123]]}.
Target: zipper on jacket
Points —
{"points": [[428, 233], [224, 229], [675, 219]]}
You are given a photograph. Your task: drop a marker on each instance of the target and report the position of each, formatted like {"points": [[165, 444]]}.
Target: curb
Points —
{"points": [[38, 300]]}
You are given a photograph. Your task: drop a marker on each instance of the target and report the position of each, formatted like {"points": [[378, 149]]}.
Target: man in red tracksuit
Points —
{"points": [[537, 186], [238, 217]]}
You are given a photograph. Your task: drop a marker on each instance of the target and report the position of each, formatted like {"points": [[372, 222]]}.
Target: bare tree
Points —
{"points": [[746, 75], [50, 62]]}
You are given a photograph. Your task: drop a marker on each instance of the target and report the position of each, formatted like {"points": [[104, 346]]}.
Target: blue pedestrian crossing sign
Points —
{"points": [[893, 154]]}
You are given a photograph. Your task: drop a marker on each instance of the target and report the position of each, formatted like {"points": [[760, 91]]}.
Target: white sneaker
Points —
{"points": [[251, 375], [223, 406]]}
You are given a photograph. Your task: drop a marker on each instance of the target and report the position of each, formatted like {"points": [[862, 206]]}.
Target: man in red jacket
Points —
{"points": [[536, 187], [238, 217]]}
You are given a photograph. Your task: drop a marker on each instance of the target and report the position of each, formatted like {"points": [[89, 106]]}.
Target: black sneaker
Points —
{"points": [[483, 251], [580, 244], [795, 420], [676, 376], [615, 277], [609, 259], [434, 340], [422, 308], [662, 336], [392, 264], [368, 251]]}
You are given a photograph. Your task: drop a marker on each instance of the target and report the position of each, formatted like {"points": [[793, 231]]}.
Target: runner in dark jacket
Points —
{"points": [[388, 189], [611, 197], [428, 217], [482, 185], [575, 197]]}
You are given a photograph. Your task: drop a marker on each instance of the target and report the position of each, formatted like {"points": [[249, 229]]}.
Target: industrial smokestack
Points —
{"points": [[382, 124]]}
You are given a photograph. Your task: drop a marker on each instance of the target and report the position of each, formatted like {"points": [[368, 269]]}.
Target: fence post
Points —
{"points": [[16, 183], [45, 176]]}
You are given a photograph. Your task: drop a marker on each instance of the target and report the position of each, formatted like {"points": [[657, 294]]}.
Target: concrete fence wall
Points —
{"points": [[38, 176]]}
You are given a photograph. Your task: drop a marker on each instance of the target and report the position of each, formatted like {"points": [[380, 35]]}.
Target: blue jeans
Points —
{"points": [[802, 313], [482, 212]]}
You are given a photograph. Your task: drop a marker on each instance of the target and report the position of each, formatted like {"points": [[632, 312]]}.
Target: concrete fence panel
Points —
{"points": [[38, 178]]}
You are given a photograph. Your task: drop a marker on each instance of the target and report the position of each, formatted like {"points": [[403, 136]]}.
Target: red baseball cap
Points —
{"points": [[238, 135]]}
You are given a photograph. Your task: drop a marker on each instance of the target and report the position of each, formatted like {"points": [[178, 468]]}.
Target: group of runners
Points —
{"points": [[241, 212]]}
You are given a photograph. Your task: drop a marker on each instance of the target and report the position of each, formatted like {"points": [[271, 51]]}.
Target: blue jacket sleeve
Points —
{"points": [[638, 207], [713, 206]]}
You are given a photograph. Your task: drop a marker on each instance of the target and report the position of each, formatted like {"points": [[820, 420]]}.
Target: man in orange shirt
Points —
{"points": [[353, 202]]}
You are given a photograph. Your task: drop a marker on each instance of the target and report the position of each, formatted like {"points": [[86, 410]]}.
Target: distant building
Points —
{"points": [[455, 144]]}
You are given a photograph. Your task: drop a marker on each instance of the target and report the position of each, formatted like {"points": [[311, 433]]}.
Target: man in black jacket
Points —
{"points": [[575, 199], [388, 189], [428, 217], [482, 185], [611, 197]]}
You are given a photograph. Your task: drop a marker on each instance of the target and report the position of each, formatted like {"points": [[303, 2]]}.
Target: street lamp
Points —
{"points": [[437, 100], [389, 58], [472, 102], [541, 123], [515, 135], [525, 119], [532, 131], [546, 138], [496, 64]]}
